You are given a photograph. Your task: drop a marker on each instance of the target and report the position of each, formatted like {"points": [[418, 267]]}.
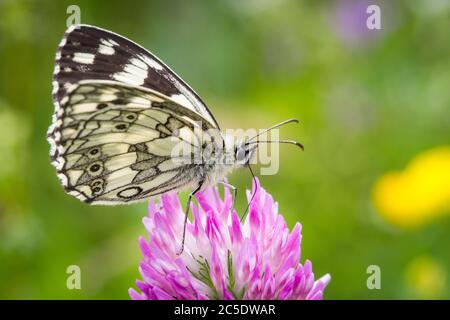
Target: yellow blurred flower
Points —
{"points": [[426, 278], [418, 194]]}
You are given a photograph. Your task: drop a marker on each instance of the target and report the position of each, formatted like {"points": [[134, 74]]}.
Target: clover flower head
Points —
{"points": [[223, 258]]}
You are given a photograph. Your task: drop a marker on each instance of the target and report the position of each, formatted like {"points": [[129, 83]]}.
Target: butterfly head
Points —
{"points": [[244, 153]]}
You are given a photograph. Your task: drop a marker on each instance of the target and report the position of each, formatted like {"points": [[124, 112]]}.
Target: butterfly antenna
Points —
{"points": [[254, 193], [275, 126], [298, 144]]}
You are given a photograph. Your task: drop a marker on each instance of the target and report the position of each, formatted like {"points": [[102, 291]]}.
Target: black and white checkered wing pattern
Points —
{"points": [[113, 143], [91, 53], [119, 114]]}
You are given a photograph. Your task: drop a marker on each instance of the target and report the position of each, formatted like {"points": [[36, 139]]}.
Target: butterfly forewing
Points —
{"points": [[91, 53], [119, 113]]}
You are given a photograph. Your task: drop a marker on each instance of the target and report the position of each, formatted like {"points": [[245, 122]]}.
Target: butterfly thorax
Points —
{"points": [[220, 159]]}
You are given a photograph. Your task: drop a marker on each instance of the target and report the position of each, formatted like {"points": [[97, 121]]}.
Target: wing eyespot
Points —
{"points": [[95, 169], [97, 182], [94, 152], [97, 190], [121, 127]]}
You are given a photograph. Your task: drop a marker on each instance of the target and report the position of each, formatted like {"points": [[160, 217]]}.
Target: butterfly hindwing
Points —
{"points": [[112, 143], [91, 53]]}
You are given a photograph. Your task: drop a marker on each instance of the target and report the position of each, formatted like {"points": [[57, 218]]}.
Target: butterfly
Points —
{"points": [[120, 113]]}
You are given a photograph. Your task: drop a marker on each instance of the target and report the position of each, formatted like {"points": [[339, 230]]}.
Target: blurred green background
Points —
{"points": [[369, 101]]}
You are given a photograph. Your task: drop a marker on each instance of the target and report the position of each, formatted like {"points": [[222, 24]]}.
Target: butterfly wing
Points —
{"points": [[113, 143], [90, 53]]}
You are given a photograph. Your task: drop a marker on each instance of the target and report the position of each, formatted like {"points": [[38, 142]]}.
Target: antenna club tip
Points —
{"points": [[300, 146]]}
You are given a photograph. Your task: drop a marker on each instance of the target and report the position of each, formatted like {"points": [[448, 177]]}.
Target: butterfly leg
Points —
{"points": [[253, 194], [234, 188], [186, 214]]}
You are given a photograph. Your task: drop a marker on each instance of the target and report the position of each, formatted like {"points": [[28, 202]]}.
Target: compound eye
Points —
{"points": [[240, 154]]}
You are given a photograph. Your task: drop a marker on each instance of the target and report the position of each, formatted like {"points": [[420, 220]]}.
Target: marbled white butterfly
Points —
{"points": [[119, 114]]}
